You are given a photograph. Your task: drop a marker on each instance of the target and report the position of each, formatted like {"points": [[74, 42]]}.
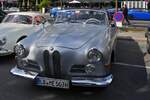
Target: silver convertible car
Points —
{"points": [[76, 50]]}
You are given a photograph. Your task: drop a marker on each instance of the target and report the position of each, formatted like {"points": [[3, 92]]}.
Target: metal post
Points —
{"points": [[28, 4], [23, 4], [116, 5], [36, 4], [61, 4]]}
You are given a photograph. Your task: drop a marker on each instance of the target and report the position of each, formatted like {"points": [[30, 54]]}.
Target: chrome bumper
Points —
{"points": [[23, 73], [92, 82], [95, 82]]}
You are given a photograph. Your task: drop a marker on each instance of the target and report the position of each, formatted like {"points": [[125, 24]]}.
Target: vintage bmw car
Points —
{"points": [[76, 50], [17, 26]]}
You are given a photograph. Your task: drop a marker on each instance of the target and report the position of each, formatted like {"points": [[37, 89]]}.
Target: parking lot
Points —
{"points": [[131, 78]]}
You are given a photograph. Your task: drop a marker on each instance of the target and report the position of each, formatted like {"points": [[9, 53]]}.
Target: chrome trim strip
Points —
{"points": [[99, 82], [23, 73]]}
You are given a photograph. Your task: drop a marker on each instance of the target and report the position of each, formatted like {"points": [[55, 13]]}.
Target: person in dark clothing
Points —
{"points": [[125, 13], [148, 5]]}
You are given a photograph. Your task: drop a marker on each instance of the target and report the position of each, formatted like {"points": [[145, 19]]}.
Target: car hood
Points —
{"points": [[6, 28], [71, 36]]}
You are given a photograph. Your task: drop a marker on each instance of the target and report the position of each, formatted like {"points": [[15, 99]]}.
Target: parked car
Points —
{"points": [[147, 35], [17, 26], [11, 9], [134, 14], [53, 11], [76, 50], [139, 14]]}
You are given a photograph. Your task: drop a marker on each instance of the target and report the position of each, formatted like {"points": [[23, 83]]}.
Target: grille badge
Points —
{"points": [[51, 48]]}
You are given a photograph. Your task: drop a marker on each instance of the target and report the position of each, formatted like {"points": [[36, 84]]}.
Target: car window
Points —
{"points": [[22, 19], [9, 18]]}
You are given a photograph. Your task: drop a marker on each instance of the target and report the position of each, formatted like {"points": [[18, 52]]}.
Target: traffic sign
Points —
{"points": [[118, 17]]}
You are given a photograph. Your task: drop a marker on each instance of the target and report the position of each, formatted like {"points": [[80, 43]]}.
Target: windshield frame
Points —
{"points": [[80, 10]]}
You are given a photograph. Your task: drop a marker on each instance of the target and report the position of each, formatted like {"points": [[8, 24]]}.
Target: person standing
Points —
{"points": [[125, 13], [148, 5]]}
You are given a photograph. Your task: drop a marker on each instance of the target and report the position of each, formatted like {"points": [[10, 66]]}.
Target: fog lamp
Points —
{"points": [[89, 68]]}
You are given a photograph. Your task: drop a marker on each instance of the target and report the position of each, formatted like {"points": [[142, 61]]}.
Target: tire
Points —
{"points": [[112, 57]]}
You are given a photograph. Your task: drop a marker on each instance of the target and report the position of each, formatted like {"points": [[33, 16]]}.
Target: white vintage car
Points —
{"points": [[17, 26]]}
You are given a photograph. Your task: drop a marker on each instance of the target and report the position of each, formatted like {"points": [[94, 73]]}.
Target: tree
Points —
{"points": [[44, 3]]}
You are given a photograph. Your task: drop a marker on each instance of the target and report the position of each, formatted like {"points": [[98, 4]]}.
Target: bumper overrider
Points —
{"points": [[91, 82]]}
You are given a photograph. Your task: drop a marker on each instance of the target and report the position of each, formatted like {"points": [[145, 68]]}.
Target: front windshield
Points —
{"points": [[21, 19], [81, 16]]}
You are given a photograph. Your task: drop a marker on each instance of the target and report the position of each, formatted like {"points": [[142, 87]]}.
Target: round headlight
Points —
{"points": [[94, 55], [3, 41], [20, 51]]}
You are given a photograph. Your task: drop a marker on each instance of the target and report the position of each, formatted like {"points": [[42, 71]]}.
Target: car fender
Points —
{"points": [[21, 38]]}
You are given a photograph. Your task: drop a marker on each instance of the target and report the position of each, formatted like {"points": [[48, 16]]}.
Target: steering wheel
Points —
{"points": [[93, 20]]}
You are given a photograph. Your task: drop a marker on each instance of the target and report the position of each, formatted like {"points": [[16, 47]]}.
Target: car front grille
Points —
{"points": [[46, 57], [56, 63], [55, 69]]}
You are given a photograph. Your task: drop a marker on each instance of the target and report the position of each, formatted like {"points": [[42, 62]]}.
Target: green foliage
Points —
{"points": [[44, 3]]}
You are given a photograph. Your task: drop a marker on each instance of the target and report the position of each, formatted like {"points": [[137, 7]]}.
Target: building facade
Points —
{"points": [[141, 4], [33, 4]]}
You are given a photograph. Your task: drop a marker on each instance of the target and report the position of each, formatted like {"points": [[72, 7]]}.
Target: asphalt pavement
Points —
{"points": [[131, 71]]}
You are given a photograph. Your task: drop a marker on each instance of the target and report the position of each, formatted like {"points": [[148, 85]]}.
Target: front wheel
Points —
{"points": [[112, 56], [112, 59]]}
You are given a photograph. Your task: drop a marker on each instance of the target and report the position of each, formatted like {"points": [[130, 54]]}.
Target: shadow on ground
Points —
{"points": [[130, 83]]}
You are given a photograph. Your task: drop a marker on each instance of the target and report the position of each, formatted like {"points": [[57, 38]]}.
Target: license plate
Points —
{"points": [[51, 82]]}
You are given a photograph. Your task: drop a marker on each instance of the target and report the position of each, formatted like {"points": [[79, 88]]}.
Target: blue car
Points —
{"points": [[54, 10], [134, 14], [138, 14]]}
